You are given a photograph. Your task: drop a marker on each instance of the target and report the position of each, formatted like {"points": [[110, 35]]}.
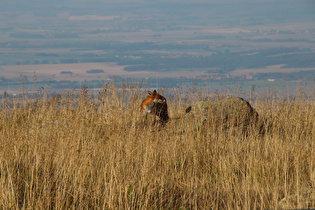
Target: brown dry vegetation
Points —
{"points": [[72, 151]]}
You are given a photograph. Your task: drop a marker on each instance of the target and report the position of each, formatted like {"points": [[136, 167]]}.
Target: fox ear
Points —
{"points": [[154, 91], [150, 93]]}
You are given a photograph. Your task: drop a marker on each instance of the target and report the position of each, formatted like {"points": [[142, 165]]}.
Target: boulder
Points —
{"points": [[226, 112]]}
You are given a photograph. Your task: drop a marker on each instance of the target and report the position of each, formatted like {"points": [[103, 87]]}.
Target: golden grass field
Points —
{"points": [[72, 151]]}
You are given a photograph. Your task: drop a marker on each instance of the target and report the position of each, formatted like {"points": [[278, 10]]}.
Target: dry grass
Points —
{"points": [[72, 151]]}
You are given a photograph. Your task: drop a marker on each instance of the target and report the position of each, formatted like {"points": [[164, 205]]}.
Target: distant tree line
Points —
{"points": [[42, 36], [303, 75], [95, 71], [225, 62], [132, 56]]}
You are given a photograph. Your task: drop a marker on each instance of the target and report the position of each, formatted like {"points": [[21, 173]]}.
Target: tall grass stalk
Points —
{"points": [[77, 151]]}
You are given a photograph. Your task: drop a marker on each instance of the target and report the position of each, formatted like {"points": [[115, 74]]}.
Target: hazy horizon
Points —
{"points": [[170, 38]]}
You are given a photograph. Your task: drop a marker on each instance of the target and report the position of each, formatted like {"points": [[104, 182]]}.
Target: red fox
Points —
{"points": [[156, 105]]}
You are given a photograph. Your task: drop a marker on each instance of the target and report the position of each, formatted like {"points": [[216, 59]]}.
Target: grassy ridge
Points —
{"points": [[72, 151]]}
